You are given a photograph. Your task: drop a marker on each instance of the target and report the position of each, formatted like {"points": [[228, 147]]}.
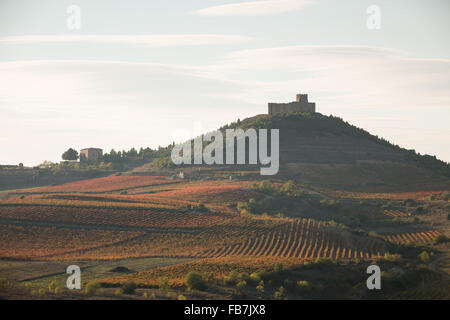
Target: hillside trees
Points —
{"points": [[70, 154]]}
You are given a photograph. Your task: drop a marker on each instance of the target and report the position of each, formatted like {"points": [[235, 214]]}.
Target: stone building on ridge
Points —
{"points": [[300, 104], [91, 154]]}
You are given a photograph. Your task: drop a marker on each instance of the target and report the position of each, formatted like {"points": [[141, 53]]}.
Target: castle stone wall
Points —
{"points": [[300, 105]]}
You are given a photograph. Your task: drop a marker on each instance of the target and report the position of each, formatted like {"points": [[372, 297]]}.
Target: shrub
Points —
{"points": [[232, 278], [441, 239], [240, 286], [201, 207], [195, 281], [118, 292], [124, 192], [41, 291], [147, 296], [209, 277], [242, 206], [288, 187], [260, 287], [424, 257], [163, 284], [278, 295], [324, 261], [303, 284], [266, 186], [245, 277], [409, 202], [373, 234], [4, 283], [57, 290], [52, 285], [329, 203], [255, 277], [181, 297], [129, 287], [28, 286], [278, 267], [392, 257], [264, 275], [92, 287]]}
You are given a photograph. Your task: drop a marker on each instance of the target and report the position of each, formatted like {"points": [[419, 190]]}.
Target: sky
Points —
{"points": [[142, 73]]}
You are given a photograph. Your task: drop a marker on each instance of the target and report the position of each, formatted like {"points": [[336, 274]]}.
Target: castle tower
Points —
{"points": [[301, 98]]}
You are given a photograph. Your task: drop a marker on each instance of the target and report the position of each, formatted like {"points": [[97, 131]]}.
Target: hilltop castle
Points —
{"points": [[300, 104]]}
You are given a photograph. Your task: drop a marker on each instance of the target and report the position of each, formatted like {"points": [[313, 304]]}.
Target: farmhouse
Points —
{"points": [[90, 154], [300, 104]]}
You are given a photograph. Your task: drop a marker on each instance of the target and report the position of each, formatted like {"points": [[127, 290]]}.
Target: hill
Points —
{"points": [[327, 151]]}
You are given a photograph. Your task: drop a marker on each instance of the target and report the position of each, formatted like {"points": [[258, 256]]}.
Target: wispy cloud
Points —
{"points": [[158, 40], [254, 8], [358, 75]]}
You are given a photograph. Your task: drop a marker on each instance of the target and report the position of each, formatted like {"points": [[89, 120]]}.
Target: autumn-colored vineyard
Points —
{"points": [[413, 237], [304, 238], [111, 217], [159, 217], [104, 184], [395, 213], [30, 242], [218, 267], [212, 194], [423, 195]]}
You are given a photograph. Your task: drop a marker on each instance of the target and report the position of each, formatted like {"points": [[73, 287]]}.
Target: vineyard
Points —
{"points": [[424, 195], [219, 268], [111, 217], [413, 237], [395, 213], [107, 184], [30, 242], [133, 217], [303, 239]]}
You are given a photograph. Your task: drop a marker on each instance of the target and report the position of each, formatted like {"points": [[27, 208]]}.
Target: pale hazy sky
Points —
{"points": [[139, 71]]}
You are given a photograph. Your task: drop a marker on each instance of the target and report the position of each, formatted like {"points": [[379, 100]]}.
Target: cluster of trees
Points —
{"points": [[117, 159], [134, 155]]}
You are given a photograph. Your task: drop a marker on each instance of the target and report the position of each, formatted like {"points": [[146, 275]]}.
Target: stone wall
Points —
{"points": [[300, 105]]}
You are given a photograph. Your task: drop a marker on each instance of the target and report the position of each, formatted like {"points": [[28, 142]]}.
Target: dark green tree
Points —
{"points": [[70, 154]]}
